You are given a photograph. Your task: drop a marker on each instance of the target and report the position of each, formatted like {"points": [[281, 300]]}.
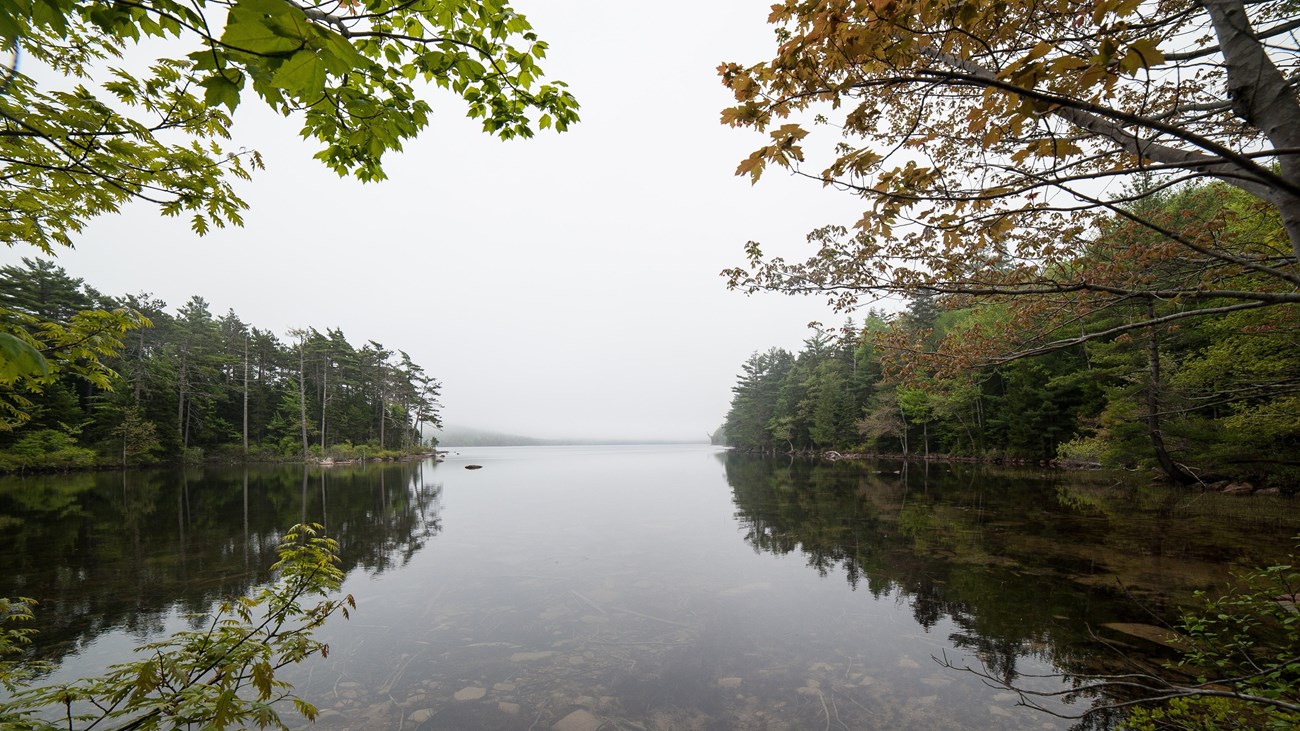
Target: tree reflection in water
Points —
{"points": [[1022, 563], [123, 551]]}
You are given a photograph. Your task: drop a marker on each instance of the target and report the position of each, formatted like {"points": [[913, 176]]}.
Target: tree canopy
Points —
{"points": [[1226, 401], [1000, 147], [85, 127], [130, 380]]}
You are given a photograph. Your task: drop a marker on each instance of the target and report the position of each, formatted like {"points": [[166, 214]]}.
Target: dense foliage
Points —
{"points": [[1057, 174], [137, 107], [1215, 396], [990, 143], [189, 382]]}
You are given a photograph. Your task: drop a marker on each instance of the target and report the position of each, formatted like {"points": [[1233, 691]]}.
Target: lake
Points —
{"points": [[646, 587]]}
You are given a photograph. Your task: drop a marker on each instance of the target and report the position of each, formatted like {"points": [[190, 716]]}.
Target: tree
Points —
{"points": [[355, 72], [189, 381], [885, 418], [984, 138], [199, 364], [1051, 158], [138, 435], [52, 338], [43, 290], [752, 417], [301, 334], [421, 399]]}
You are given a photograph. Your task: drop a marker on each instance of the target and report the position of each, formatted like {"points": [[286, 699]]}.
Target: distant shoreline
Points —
{"points": [[572, 443]]}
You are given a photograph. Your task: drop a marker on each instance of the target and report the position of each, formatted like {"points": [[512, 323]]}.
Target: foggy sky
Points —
{"points": [[564, 286]]}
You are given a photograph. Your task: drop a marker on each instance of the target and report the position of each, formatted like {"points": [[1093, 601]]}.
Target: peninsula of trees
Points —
{"points": [[1203, 399], [1211, 399], [129, 382]]}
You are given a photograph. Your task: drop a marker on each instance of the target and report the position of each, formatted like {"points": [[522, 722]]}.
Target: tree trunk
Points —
{"points": [[1262, 95], [902, 437], [180, 400], [406, 430], [246, 401], [139, 369], [324, 401], [1175, 471], [383, 412], [302, 394]]}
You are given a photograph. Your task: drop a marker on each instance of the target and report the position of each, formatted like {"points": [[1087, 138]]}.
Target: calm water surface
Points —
{"points": [[644, 587]]}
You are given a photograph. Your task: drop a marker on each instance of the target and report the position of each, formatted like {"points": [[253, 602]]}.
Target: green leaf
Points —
{"points": [[252, 34], [18, 359], [220, 90], [266, 7], [9, 28], [263, 677], [303, 75]]}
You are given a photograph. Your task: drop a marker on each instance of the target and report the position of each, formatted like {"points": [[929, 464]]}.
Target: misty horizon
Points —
{"points": [[450, 435]]}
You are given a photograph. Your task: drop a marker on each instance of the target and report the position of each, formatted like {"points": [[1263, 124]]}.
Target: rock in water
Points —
{"points": [[472, 693], [1150, 633], [579, 720], [473, 466]]}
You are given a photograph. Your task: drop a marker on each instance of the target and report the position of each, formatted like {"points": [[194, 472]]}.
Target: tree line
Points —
{"points": [[1110, 190], [126, 381], [1203, 398]]}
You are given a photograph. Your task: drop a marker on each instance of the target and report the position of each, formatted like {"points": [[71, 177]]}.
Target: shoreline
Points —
{"points": [[438, 455], [1213, 483], [832, 455]]}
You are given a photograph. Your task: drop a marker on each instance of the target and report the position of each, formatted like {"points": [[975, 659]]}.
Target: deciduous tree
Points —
{"points": [[355, 73], [1052, 157], [991, 141]]}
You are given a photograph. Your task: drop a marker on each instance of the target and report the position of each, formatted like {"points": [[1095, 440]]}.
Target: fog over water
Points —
{"points": [[565, 286]]}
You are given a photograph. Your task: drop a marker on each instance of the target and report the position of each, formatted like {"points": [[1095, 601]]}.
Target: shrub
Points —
{"points": [[217, 678], [1244, 649], [48, 449]]}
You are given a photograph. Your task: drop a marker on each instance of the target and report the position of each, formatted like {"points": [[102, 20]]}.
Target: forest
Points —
{"points": [[1207, 398], [129, 382]]}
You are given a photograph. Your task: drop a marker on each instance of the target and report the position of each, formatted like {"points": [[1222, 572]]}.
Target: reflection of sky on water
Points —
{"points": [[627, 582], [628, 564]]}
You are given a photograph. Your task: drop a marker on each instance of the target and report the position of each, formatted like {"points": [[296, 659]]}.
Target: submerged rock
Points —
{"points": [[470, 693], [579, 720], [1148, 632]]}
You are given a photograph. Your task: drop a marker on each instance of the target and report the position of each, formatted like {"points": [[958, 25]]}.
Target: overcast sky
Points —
{"points": [[564, 286]]}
